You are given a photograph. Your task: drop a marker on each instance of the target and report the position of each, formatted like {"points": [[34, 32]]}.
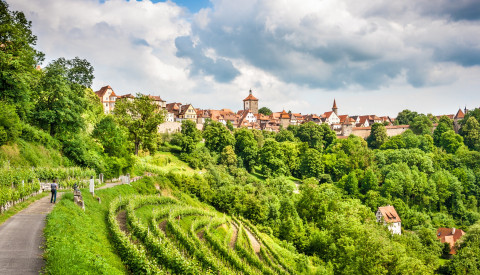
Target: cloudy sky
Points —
{"points": [[374, 57]]}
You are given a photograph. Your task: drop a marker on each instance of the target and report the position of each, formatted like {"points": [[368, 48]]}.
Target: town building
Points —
{"points": [[389, 217], [107, 98], [450, 236]]}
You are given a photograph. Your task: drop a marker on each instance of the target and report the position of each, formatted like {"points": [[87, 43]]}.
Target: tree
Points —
{"points": [[78, 71], [246, 147], [475, 113], [405, 117], [112, 137], [467, 259], [217, 137], [311, 164], [265, 111], [229, 125], [471, 133], [190, 136], [444, 125], [421, 125], [450, 141], [311, 133], [18, 59], [228, 157], [10, 127], [378, 135], [369, 181], [59, 103], [284, 135], [271, 159], [140, 116]]}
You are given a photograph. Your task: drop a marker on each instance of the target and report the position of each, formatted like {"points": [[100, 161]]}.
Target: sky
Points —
{"points": [[374, 57]]}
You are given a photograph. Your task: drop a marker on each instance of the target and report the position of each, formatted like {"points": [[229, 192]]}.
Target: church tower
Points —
{"points": [[334, 108], [251, 103]]}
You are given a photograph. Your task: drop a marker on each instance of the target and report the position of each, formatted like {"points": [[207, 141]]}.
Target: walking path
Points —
{"points": [[21, 239]]}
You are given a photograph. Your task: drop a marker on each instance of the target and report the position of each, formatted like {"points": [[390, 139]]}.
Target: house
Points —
{"points": [[107, 98], [450, 236], [187, 112], [330, 118], [158, 101], [388, 215]]}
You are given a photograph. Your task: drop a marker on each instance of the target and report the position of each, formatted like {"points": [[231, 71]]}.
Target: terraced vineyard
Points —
{"points": [[162, 235]]}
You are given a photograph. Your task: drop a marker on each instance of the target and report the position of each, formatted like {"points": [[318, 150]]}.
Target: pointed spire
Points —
{"points": [[334, 108]]}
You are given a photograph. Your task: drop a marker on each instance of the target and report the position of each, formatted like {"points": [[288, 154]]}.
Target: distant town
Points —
{"points": [[250, 117]]}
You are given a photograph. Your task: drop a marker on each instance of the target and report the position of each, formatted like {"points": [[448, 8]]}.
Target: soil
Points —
{"points": [[122, 221], [233, 240], [163, 226], [255, 244]]}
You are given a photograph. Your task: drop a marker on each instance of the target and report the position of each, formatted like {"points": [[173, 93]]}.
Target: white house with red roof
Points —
{"points": [[389, 217], [107, 98]]}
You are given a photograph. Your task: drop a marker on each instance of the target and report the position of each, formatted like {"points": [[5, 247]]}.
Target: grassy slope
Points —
{"points": [[77, 241], [26, 154]]}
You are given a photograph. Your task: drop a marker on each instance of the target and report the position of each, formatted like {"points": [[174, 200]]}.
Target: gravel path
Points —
{"points": [[21, 239]]}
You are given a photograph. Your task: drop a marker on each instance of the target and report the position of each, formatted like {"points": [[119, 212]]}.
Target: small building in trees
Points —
{"points": [[450, 236], [107, 98], [388, 215]]}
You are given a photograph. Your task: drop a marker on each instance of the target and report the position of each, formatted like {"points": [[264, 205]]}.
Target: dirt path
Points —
{"points": [[21, 239], [233, 240], [109, 185], [253, 241]]}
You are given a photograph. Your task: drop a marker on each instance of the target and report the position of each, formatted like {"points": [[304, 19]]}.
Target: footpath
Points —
{"points": [[21, 237]]}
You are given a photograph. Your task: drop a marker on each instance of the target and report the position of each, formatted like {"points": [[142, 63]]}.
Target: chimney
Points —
{"points": [[250, 91], [453, 231]]}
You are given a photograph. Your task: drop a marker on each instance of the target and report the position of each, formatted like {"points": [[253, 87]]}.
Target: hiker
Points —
{"points": [[54, 187]]}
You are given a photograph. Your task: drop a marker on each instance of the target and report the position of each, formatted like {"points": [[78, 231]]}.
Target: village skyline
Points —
{"points": [[373, 57]]}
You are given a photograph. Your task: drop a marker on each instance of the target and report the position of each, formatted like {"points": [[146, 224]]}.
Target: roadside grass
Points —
{"points": [[20, 206], [77, 242]]}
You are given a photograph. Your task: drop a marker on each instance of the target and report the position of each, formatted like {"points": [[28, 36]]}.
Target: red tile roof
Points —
{"points": [[451, 236], [103, 90], [460, 114], [284, 115], [389, 214], [250, 97]]}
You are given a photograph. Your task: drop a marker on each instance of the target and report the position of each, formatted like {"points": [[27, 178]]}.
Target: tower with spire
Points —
{"points": [[251, 103], [334, 108]]}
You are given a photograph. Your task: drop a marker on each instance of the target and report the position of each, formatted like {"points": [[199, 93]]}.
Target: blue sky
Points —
{"points": [[374, 57], [192, 5]]}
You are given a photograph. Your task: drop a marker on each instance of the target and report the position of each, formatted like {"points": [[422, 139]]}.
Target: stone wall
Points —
{"points": [[173, 127], [364, 132]]}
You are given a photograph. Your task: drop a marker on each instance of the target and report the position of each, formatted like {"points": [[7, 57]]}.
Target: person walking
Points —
{"points": [[54, 187]]}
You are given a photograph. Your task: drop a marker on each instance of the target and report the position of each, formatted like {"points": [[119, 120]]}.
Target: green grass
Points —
{"points": [[20, 206], [78, 241]]}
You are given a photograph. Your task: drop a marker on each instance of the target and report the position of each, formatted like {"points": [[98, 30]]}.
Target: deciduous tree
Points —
{"points": [[471, 133], [140, 116], [378, 135], [217, 137]]}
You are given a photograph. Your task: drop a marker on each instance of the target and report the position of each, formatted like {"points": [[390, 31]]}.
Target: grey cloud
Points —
{"points": [[465, 56], [221, 68], [299, 53]]}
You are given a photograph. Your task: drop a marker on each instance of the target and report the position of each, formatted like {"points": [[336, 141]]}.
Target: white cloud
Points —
{"points": [[374, 57]]}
